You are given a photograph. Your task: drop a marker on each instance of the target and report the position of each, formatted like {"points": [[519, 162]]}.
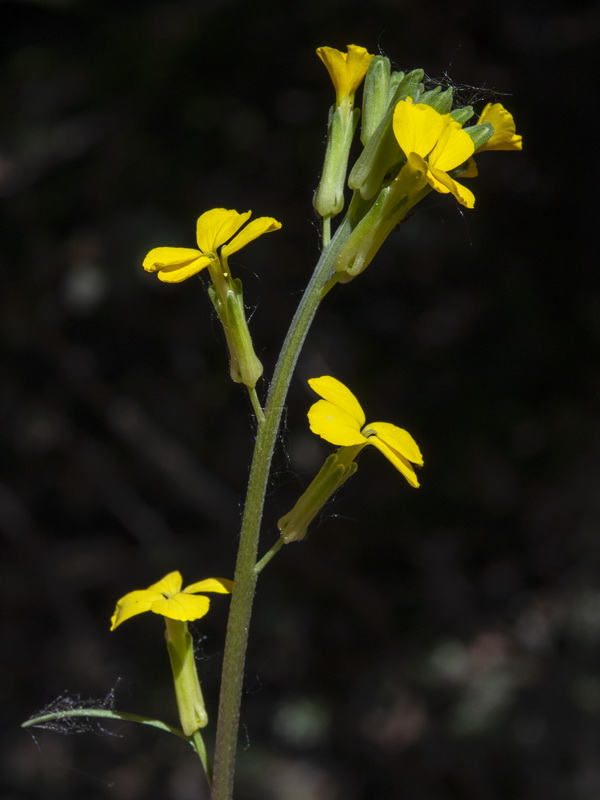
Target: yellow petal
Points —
{"points": [[178, 274], [220, 585], [133, 603], [184, 607], [252, 231], [402, 464], [471, 171], [167, 257], [417, 127], [453, 147], [412, 177], [397, 438], [504, 136], [217, 226], [170, 584], [334, 424], [339, 395], [444, 183], [346, 70]]}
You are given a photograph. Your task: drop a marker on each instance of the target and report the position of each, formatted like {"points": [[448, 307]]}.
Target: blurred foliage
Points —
{"points": [[441, 643]]}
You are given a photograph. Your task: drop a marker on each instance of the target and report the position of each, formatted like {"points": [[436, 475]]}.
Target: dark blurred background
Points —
{"points": [[441, 643]]}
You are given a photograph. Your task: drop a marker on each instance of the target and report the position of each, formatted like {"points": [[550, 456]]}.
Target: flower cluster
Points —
{"points": [[414, 141]]}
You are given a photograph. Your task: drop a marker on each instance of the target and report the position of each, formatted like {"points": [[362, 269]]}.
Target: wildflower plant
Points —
{"points": [[413, 140]]}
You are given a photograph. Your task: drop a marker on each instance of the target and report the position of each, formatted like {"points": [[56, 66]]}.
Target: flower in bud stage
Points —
{"points": [[177, 606], [339, 418], [375, 96]]}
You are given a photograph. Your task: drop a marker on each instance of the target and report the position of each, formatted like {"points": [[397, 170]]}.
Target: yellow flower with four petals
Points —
{"points": [[214, 232], [214, 229], [433, 144], [339, 418], [178, 607], [167, 598]]}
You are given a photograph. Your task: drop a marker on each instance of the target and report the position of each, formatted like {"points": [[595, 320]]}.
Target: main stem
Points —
{"points": [[245, 575]]}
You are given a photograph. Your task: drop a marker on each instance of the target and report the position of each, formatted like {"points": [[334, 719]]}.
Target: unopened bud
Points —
{"points": [[329, 197], [375, 96]]}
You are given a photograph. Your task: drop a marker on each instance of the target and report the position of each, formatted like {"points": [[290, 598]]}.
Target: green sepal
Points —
{"points": [[440, 100], [395, 79], [190, 702], [375, 96], [480, 134], [244, 365], [409, 85], [328, 199], [462, 115], [379, 161], [337, 469]]}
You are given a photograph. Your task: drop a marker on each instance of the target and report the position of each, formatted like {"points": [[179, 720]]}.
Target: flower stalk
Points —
{"points": [[245, 573]]}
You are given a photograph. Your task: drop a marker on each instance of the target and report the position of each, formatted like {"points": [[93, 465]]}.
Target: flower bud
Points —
{"points": [[438, 99], [375, 96], [329, 196]]}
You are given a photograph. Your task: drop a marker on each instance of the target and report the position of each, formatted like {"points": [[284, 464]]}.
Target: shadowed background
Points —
{"points": [[434, 643]]}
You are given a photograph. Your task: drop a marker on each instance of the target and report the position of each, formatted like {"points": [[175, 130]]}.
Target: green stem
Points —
{"points": [[326, 232], [258, 410], [260, 565], [245, 574]]}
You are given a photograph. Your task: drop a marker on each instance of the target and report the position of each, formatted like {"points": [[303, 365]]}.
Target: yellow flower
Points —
{"points": [[433, 144], [338, 418], [504, 136], [167, 598], [213, 229], [346, 70]]}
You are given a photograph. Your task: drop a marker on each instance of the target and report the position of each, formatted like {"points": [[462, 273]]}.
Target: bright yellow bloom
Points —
{"points": [[167, 598], [504, 136], [433, 144], [346, 70], [338, 418], [213, 229]]}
